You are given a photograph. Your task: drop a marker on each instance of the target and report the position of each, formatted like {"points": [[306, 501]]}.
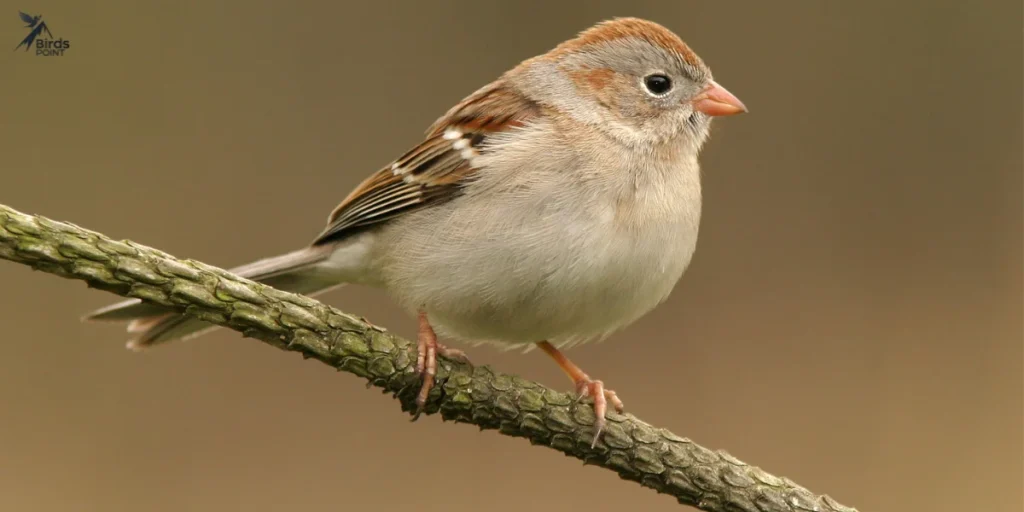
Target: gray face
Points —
{"points": [[647, 86]]}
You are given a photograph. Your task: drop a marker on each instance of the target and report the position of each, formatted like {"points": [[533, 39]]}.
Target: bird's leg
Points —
{"points": [[585, 386], [426, 359]]}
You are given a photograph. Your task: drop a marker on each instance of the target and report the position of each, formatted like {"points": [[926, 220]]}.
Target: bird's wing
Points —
{"points": [[26, 17], [435, 169]]}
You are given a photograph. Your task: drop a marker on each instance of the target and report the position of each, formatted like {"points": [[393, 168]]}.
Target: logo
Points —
{"points": [[46, 47]]}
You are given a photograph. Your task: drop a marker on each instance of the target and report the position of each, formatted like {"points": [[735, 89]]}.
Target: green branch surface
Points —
{"points": [[656, 458]]}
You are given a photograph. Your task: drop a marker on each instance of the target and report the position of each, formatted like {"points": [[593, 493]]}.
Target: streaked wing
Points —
{"points": [[434, 170]]}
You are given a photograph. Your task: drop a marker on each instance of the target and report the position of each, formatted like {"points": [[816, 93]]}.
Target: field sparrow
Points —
{"points": [[553, 206]]}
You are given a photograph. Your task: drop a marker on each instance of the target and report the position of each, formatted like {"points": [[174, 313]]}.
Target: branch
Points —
{"points": [[713, 481]]}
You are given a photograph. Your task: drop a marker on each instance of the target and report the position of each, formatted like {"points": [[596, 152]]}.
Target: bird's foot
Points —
{"points": [[586, 387], [427, 350]]}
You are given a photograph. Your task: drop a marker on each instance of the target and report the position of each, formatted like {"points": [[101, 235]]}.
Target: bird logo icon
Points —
{"points": [[38, 27]]}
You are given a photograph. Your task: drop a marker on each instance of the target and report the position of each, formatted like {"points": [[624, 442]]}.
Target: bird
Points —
{"points": [[29, 19], [37, 29], [554, 206]]}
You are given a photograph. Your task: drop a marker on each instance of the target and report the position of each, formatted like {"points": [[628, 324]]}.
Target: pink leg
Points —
{"points": [[585, 386], [426, 359]]}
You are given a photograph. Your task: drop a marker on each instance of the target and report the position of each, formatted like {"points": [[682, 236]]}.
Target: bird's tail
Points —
{"points": [[297, 272]]}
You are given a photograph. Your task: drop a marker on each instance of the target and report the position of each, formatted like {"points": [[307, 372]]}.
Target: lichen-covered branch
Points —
{"points": [[656, 458]]}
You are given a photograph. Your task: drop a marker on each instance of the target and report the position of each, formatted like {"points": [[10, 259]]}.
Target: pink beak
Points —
{"points": [[714, 100]]}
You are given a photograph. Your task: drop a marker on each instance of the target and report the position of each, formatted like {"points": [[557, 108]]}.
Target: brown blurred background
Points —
{"points": [[852, 319]]}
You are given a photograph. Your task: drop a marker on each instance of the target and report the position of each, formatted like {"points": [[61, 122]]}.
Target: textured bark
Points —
{"points": [[654, 457]]}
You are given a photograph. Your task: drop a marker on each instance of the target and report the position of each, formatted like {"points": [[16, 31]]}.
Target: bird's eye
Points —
{"points": [[658, 84]]}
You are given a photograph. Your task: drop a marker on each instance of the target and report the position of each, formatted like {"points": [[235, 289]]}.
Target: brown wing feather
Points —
{"points": [[435, 169], [491, 108]]}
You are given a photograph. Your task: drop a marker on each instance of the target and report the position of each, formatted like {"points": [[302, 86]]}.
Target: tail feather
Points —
{"points": [[152, 323], [125, 310], [166, 327]]}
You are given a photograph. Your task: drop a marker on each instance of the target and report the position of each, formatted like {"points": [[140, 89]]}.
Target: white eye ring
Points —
{"points": [[657, 84]]}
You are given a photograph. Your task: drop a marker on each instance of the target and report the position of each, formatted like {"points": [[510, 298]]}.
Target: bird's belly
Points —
{"points": [[530, 279]]}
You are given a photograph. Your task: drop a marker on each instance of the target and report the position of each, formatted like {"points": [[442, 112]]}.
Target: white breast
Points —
{"points": [[564, 248]]}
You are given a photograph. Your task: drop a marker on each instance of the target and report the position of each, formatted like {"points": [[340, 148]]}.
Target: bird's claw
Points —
{"points": [[587, 387]]}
